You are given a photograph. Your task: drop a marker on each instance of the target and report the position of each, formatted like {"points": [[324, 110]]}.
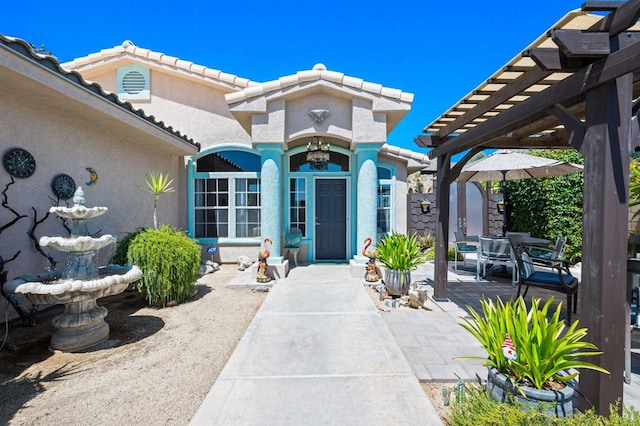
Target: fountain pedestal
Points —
{"points": [[79, 285]]}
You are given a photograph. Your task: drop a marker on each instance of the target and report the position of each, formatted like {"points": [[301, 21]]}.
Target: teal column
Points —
{"points": [[366, 197], [271, 199], [191, 208]]}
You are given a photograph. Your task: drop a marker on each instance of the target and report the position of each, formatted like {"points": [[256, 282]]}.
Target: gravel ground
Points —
{"points": [[155, 369]]}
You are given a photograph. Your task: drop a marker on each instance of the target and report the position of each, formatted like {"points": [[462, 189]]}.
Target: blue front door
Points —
{"points": [[331, 224]]}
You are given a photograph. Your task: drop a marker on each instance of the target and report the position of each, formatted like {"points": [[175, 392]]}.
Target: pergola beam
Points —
{"points": [[621, 18], [501, 96], [594, 75], [581, 43]]}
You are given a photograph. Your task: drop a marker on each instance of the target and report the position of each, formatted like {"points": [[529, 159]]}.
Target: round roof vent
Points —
{"points": [[133, 82]]}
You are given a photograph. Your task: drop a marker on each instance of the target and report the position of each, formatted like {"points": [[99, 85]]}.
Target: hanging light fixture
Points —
{"points": [[318, 154]]}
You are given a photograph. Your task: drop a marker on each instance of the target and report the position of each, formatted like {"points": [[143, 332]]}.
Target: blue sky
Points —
{"points": [[439, 51]]}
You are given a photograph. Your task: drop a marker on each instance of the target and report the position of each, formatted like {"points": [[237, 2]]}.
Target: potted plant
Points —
{"points": [[399, 254], [530, 356]]}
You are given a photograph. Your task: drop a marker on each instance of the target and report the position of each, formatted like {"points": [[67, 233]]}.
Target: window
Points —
{"points": [[227, 195], [338, 162], [298, 204], [385, 201], [212, 208], [133, 83], [384, 208], [247, 208]]}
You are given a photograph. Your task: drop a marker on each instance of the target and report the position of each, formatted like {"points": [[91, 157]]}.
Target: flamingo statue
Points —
{"points": [[263, 255], [367, 243], [372, 270]]}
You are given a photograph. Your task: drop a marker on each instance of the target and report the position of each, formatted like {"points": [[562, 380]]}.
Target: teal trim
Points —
{"points": [[310, 188], [230, 241], [192, 175], [191, 210], [269, 147]]}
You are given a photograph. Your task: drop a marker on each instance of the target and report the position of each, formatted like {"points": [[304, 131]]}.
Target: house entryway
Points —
{"points": [[331, 219]]}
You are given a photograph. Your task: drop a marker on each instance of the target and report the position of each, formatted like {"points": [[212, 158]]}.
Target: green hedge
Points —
{"points": [[122, 248], [170, 262], [550, 208]]}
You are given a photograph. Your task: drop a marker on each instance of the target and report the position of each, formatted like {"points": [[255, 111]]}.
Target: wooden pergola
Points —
{"points": [[575, 87]]}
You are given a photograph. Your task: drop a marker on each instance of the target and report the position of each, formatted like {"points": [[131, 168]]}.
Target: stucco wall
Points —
{"points": [[197, 110], [63, 144]]}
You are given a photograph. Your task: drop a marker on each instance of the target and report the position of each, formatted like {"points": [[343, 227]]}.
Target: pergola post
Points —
{"points": [[443, 189], [604, 242]]}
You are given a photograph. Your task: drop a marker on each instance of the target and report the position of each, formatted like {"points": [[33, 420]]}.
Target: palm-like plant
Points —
{"points": [[545, 350], [400, 252], [157, 184]]}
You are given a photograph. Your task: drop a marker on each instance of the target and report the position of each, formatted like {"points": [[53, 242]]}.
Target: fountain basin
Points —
{"points": [[78, 244], [78, 211], [82, 324]]}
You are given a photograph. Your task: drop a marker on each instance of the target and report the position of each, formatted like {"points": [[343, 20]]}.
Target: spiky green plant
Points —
{"points": [[157, 184], [544, 348], [400, 252]]}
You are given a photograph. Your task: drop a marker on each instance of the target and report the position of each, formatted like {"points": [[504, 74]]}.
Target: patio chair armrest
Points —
{"points": [[565, 277]]}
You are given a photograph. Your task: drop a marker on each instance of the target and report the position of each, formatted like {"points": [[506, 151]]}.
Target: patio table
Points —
{"points": [[532, 241]]}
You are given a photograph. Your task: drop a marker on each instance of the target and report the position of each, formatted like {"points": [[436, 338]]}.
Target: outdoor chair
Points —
{"points": [[462, 247], [292, 241], [544, 256], [559, 280], [496, 252]]}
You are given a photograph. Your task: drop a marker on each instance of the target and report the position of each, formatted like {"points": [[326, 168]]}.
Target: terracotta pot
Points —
{"points": [[396, 284], [560, 403]]}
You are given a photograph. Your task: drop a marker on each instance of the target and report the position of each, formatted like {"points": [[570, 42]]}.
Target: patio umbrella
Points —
{"points": [[506, 164]]}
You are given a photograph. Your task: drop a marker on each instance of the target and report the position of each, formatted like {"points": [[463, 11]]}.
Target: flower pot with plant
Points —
{"points": [[399, 254], [532, 357]]}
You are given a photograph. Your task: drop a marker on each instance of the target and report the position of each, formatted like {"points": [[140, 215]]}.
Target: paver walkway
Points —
{"points": [[317, 353]]}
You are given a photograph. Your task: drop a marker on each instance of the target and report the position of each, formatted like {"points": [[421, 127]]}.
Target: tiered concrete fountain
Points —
{"points": [[79, 284]]}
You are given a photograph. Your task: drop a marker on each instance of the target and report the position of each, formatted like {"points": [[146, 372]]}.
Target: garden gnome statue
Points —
{"points": [[263, 255], [372, 270]]}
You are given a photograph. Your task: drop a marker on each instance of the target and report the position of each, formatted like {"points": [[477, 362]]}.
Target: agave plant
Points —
{"points": [[545, 351], [400, 252]]}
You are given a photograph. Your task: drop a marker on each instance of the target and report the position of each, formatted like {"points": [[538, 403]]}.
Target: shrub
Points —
{"points": [[122, 247], [480, 409], [170, 262], [427, 240], [557, 201], [430, 254]]}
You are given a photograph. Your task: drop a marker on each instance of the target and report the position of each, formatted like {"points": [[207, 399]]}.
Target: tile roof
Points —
{"points": [[415, 160], [25, 49], [319, 72], [127, 47]]}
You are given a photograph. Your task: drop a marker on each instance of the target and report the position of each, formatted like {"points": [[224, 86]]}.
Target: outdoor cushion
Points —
{"points": [[550, 278], [293, 239], [468, 248]]}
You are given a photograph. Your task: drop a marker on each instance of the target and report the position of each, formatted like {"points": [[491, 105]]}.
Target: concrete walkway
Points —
{"points": [[317, 353]]}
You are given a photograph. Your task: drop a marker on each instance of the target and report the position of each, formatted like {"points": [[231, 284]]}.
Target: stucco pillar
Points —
{"points": [[366, 197], [271, 199]]}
